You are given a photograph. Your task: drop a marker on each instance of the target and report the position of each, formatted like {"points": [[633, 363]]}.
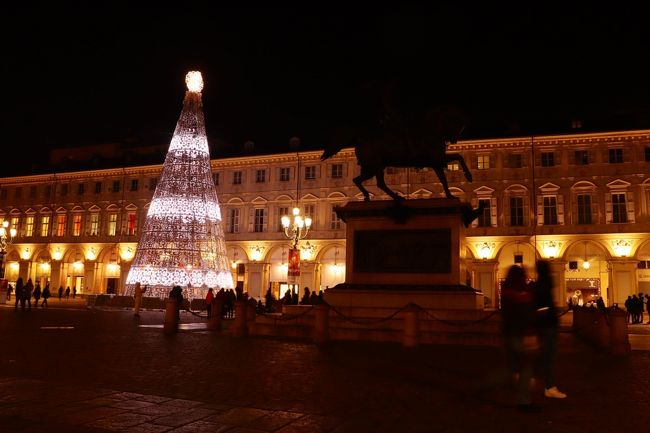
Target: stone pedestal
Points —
{"points": [[405, 252]]}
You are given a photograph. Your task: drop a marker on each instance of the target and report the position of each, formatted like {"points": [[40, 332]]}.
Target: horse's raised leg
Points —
{"points": [[381, 183], [459, 158], [358, 181], [443, 180]]}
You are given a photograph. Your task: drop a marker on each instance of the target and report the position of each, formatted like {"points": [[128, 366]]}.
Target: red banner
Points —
{"points": [[294, 263]]}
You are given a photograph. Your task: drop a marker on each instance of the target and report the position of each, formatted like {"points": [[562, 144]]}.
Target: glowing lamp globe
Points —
{"points": [[194, 81]]}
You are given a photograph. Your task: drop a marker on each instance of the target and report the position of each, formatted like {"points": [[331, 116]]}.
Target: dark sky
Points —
{"points": [[89, 75]]}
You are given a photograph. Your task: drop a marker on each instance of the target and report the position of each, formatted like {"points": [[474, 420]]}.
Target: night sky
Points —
{"points": [[83, 75]]}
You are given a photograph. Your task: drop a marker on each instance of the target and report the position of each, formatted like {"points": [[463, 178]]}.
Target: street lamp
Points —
{"points": [[295, 230], [6, 237]]}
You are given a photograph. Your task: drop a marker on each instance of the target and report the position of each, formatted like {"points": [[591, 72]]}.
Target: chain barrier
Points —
{"points": [[455, 322], [366, 321], [275, 317]]}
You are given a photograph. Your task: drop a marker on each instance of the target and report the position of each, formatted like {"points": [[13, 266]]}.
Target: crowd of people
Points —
{"points": [[24, 292], [634, 305]]}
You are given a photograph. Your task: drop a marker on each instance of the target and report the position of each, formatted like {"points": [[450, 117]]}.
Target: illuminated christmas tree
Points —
{"points": [[182, 240]]}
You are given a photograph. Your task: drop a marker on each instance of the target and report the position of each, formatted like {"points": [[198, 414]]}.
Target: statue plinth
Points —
{"points": [[405, 251]]}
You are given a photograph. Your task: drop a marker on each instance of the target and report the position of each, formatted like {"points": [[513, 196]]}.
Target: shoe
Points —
{"points": [[554, 393], [528, 408]]}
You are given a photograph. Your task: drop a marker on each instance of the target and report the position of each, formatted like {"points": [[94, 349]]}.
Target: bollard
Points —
{"points": [[321, 323], [410, 327], [619, 343], [240, 327], [214, 324], [171, 316]]}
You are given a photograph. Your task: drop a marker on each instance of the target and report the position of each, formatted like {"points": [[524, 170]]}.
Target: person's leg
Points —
{"points": [[549, 355]]}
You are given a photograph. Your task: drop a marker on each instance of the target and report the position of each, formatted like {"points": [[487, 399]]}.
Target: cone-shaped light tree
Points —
{"points": [[182, 240]]}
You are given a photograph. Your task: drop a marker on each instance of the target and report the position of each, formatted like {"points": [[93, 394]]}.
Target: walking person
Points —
{"points": [[20, 287], [27, 294], [74, 292], [67, 292], [209, 297], [60, 292], [546, 325], [37, 294], [46, 296], [137, 294]]}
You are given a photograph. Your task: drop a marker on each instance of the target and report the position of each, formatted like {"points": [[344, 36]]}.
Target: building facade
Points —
{"points": [[582, 201]]}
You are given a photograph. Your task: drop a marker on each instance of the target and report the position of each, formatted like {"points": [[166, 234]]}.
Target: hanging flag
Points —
{"points": [[294, 262]]}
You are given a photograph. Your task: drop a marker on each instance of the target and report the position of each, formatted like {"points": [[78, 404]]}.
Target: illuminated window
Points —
{"points": [[335, 221], [236, 178], [29, 226], [584, 208], [232, 222], [550, 210], [483, 162], [453, 166], [310, 172], [619, 209], [285, 174], [76, 225], [516, 211], [45, 225], [94, 224], [548, 159], [14, 223], [283, 210], [60, 225], [112, 224], [259, 223], [616, 155], [336, 171], [132, 224]]}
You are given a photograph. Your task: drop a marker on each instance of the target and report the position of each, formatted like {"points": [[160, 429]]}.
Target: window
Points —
{"points": [[484, 219], [14, 223], [335, 221], [18, 192], [45, 225], [310, 172], [309, 210], [60, 225], [112, 224], [47, 191], [550, 210], [647, 154], [64, 190], [285, 174], [619, 210], [483, 162], [232, 222], [132, 224], [336, 171], [98, 187], [283, 210], [548, 159], [134, 184], [32, 191], [29, 226], [236, 178], [76, 225], [616, 155], [452, 166], [215, 178], [81, 189], [516, 211], [260, 176], [515, 160], [153, 182], [584, 208], [3, 194], [581, 157], [259, 223], [116, 186], [94, 224]]}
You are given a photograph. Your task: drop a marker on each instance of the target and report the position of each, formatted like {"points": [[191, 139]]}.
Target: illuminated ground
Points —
{"points": [[72, 369]]}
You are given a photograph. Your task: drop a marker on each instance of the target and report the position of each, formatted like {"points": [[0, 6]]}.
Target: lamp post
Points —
{"points": [[295, 229], [6, 237]]}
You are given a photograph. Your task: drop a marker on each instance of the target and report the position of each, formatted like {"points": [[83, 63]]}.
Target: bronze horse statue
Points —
{"points": [[396, 144]]}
